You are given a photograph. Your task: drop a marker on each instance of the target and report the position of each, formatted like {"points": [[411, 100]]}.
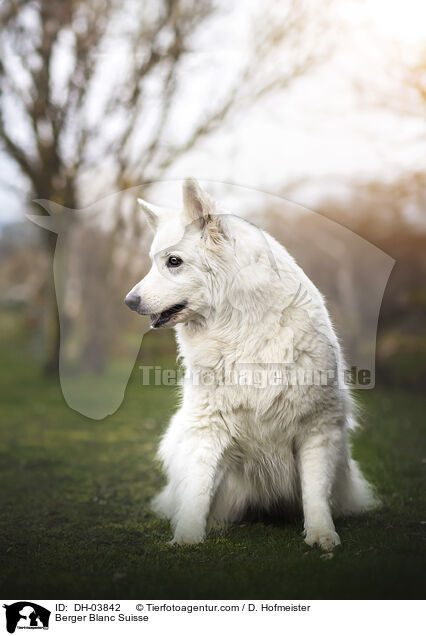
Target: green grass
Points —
{"points": [[75, 521]]}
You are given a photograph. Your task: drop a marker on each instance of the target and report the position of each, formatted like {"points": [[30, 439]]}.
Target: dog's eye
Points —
{"points": [[174, 261]]}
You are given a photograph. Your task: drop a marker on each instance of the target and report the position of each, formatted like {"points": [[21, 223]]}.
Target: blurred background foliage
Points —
{"points": [[100, 96]]}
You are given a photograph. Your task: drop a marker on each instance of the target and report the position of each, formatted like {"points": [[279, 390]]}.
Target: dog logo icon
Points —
{"points": [[26, 615]]}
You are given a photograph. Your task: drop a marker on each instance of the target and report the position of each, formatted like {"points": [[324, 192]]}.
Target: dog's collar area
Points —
{"points": [[159, 320]]}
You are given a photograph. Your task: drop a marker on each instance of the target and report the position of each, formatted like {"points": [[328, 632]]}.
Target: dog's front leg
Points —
{"points": [[203, 453], [317, 464]]}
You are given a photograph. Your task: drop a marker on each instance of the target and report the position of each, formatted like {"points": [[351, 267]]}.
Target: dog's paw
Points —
{"points": [[326, 539], [187, 535]]}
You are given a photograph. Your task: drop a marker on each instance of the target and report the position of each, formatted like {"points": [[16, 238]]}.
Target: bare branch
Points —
{"points": [[18, 154]]}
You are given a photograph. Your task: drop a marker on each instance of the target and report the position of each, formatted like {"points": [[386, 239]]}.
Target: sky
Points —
{"points": [[324, 129]]}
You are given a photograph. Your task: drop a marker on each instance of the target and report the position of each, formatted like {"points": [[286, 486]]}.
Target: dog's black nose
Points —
{"points": [[132, 300]]}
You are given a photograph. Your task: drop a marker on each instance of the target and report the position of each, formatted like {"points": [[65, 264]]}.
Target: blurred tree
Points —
{"points": [[396, 82], [106, 89], [409, 98]]}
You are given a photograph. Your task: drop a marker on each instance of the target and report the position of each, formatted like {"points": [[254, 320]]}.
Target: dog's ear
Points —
{"points": [[152, 213], [199, 208], [197, 205]]}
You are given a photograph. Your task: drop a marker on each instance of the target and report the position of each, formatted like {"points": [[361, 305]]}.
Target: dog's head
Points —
{"points": [[188, 246], [204, 263]]}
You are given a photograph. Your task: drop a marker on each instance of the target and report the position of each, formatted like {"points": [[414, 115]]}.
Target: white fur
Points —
{"points": [[232, 447]]}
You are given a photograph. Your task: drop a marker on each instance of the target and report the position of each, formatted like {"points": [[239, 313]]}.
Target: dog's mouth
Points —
{"points": [[159, 320]]}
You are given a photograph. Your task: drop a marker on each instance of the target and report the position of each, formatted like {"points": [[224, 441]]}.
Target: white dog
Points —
{"points": [[244, 310]]}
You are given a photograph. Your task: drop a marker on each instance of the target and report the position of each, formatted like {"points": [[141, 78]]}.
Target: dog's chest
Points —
{"points": [[247, 412], [247, 386]]}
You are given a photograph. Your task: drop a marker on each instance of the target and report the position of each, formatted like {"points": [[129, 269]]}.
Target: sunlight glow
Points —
{"points": [[404, 20]]}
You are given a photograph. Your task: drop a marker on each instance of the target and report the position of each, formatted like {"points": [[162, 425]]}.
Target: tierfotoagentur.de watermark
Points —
{"points": [[253, 376]]}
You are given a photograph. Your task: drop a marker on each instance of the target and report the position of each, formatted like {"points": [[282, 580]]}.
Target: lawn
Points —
{"points": [[75, 521]]}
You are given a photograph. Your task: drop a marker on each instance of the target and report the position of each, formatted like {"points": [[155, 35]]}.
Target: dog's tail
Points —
{"points": [[353, 493]]}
